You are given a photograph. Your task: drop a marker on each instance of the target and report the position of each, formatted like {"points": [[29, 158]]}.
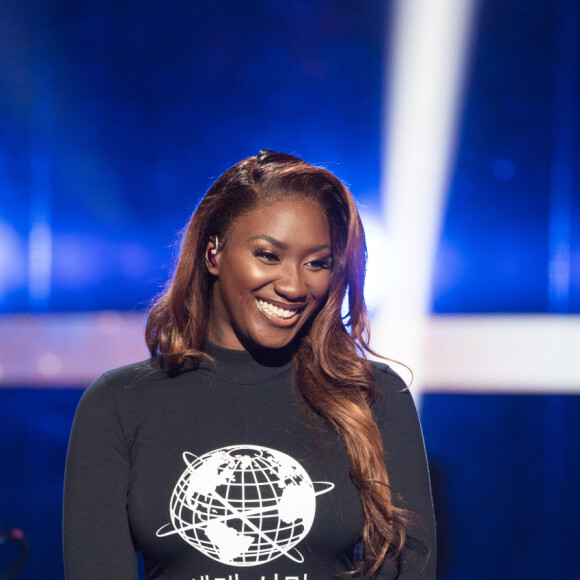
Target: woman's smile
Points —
{"points": [[285, 315]]}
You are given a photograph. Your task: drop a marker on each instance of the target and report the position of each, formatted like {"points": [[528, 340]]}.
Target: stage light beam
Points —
{"points": [[423, 94]]}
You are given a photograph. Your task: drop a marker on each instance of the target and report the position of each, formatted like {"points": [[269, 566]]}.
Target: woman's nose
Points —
{"points": [[290, 285]]}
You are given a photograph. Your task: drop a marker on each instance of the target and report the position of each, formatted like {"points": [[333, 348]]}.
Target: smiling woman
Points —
{"points": [[261, 387]]}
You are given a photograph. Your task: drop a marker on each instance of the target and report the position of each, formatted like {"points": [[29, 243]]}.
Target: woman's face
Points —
{"points": [[272, 275]]}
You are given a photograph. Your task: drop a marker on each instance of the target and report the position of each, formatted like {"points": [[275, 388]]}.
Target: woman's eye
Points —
{"points": [[320, 263], [266, 256]]}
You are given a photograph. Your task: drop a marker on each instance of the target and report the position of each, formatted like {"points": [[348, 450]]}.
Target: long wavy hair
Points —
{"points": [[330, 368]]}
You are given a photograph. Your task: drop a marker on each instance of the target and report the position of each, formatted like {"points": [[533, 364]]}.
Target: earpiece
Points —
{"points": [[211, 255]]}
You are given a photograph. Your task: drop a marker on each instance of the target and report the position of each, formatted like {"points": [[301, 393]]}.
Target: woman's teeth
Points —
{"points": [[275, 310]]}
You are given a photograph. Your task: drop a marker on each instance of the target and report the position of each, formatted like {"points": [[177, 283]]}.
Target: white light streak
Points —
{"points": [[423, 92], [488, 354]]}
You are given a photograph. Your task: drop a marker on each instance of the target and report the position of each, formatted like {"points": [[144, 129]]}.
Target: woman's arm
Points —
{"points": [[97, 540], [406, 461]]}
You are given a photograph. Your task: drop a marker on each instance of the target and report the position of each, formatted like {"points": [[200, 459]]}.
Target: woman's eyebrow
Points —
{"points": [[283, 245], [270, 239]]}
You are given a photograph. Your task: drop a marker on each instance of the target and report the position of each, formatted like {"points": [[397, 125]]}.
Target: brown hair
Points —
{"points": [[330, 369]]}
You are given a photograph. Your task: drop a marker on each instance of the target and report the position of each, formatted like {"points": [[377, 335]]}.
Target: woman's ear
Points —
{"points": [[211, 256]]}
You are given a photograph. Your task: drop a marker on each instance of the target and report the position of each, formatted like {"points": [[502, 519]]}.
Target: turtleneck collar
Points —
{"points": [[245, 367]]}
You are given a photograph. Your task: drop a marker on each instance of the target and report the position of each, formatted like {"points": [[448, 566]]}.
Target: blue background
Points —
{"points": [[115, 117]]}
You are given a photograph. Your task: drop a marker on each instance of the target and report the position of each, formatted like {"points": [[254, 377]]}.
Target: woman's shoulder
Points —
{"points": [[387, 381], [127, 375], [134, 372], [124, 378], [120, 389], [393, 400]]}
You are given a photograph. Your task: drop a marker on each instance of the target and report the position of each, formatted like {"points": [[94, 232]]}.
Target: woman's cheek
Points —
{"points": [[321, 285]]}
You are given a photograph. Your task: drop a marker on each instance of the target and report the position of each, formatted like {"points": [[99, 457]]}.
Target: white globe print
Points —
{"points": [[243, 505]]}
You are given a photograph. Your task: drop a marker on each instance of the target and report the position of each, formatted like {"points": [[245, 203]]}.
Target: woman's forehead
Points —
{"points": [[290, 220]]}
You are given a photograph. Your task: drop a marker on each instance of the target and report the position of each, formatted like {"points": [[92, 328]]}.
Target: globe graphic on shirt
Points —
{"points": [[243, 505]]}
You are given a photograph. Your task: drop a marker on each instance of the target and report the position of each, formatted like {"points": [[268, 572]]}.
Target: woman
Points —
{"points": [[251, 445]]}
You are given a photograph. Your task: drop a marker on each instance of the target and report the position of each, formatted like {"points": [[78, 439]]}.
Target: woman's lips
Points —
{"points": [[277, 313]]}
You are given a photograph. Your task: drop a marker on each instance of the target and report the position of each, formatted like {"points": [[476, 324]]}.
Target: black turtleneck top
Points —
{"points": [[219, 473]]}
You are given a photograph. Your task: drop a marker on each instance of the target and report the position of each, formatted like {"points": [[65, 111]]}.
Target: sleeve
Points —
{"points": [[97, 539], [408, 473]]}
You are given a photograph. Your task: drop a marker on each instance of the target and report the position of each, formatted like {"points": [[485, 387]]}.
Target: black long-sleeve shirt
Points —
{"points": [[218, 474]]}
